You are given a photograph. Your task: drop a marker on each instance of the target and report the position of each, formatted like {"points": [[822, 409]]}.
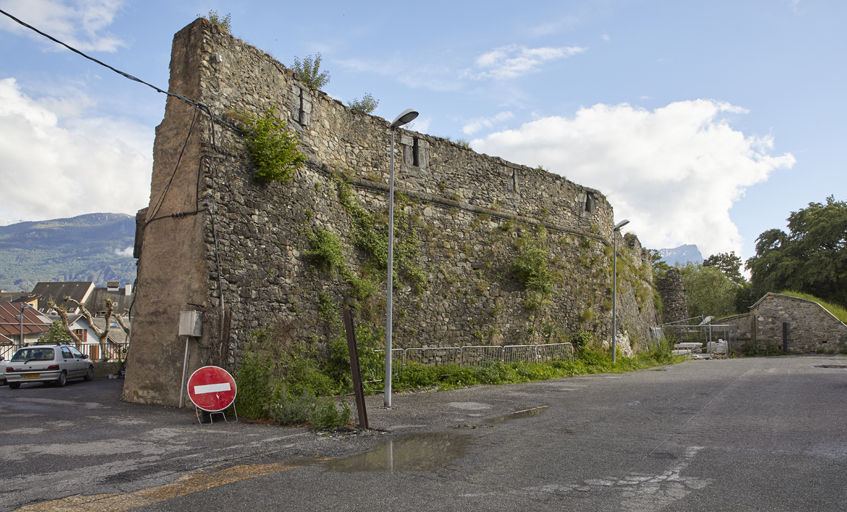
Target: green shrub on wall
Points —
{"points": [[273, 148]]}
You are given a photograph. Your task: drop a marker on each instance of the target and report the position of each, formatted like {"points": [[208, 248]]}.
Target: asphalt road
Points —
{"points": [[742, 435]]}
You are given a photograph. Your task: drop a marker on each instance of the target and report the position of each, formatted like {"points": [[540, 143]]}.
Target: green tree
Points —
{"points": [[810, 258], [309, 71], [366, 105], [708, 291], [728, 263], [56, 334], [660, 268]]}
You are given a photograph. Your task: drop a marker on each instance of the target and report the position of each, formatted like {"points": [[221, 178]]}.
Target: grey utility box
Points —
{"points": [[191, 323]]}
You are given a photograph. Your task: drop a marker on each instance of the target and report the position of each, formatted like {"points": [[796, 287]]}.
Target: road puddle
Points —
{"points": [[526, 413], [411, 452]]}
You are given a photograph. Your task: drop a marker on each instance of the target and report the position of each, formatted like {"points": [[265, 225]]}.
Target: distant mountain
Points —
{"points": [[681, 254], [95, 247]]}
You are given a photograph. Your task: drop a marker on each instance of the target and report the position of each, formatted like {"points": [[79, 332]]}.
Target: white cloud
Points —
{"points": [[475, 125], [79, 23], [128, 252], [513, 61], [53, 169], [675, 172]]}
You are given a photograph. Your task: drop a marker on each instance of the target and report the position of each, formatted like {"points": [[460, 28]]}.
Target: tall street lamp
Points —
{"points": [[405, 117], [618, 227]]}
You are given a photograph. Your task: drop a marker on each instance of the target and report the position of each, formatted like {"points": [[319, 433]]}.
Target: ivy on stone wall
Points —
{"points": [[370, 234]]}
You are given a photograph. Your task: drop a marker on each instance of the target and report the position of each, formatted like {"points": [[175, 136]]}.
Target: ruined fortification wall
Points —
{"points": [[243, 252], [672, 291]]}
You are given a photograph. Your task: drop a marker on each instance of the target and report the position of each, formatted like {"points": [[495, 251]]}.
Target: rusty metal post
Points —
{"points": [[785, 336], [354, 368]]}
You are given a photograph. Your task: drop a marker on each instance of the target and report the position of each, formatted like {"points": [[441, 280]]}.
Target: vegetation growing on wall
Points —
{"points": [[532, 268], [309, 71], [221, 22], [273, 148], [366, 105], [370, 234]]}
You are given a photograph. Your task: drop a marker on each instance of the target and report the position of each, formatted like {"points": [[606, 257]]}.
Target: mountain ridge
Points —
{"points": [[92, 247]]}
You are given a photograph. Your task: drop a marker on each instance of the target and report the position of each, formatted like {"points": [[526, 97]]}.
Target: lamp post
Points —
{"points": [[618, 227], [405, 117]]}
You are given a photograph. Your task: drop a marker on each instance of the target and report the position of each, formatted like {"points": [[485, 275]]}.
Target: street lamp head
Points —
{"points": [[621, 224], [405, 117]]}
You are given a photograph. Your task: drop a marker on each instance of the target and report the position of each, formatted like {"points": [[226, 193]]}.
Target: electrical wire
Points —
{"points": [[199, 106], [118, 71]]}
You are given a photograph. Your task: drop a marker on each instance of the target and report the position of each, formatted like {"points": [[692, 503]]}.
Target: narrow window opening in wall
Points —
{"points": [[416, 153], [589, 202], [301, 115]]}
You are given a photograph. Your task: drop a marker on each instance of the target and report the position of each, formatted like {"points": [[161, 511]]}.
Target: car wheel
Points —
{"points": [[62, 380], [14, 385], [90, 374]]}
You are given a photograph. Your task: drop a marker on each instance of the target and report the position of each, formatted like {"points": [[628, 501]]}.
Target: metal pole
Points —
{"points": [[615, 299], [388, 320], [184, 377], [22, 325]]}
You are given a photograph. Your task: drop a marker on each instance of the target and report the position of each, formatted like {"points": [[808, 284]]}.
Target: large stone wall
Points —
{"points": [[218, 241], [811, 328], [672, 291]]}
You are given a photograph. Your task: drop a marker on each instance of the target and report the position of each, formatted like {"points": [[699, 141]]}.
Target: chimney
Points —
{"points": [[113, 286], [128, 289]]}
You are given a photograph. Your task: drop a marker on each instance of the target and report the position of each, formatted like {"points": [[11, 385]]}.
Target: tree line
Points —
{"points": [[810, 257]]}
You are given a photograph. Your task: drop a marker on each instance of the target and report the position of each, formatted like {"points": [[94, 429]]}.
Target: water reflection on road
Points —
{"points": [[411, 452]]}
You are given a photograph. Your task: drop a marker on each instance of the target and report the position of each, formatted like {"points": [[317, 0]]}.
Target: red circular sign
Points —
{"points": [[211, 388]]}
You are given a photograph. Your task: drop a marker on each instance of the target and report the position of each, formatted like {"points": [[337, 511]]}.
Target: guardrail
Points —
{"points": [[472, 355]]}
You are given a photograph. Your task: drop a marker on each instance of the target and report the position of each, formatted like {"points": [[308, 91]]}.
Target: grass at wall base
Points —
{"points": [[295, 384]]}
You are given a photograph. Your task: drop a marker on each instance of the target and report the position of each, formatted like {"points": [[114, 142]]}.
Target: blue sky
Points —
{"points": [[702, 122]]}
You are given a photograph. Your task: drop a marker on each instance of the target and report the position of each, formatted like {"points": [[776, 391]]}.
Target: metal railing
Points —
{"points": [[704, 334], [114, 351], [471, 355]]}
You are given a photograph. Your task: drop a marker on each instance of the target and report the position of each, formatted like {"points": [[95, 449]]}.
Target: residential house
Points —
{"points": [[21, 323], [77, 290], [122, 298]]}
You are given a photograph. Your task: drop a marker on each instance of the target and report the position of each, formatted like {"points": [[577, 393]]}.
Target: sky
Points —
{"points": [[703, 123]]}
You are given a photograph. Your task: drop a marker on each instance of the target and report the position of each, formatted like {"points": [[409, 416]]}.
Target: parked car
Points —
{"points": [[48, 363]]}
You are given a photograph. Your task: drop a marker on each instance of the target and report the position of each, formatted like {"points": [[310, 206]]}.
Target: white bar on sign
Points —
{"points": [[211, 388]]}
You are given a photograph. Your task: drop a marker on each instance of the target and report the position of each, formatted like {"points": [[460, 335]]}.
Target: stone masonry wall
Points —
{"points": [[672, 291], [811, 328], [218, 241]]}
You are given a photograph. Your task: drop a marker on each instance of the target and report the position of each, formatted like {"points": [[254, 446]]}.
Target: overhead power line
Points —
{"points": [[118, 71]]}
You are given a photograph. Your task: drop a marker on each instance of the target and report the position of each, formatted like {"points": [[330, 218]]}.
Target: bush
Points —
{"points": [[308, 71], [364, 106], [221, 22], [326, 415], [273, 148]]}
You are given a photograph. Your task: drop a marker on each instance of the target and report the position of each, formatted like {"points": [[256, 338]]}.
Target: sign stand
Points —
{"points": [[212, 390]]}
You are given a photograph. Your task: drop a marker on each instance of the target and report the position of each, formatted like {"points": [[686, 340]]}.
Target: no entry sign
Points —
{"points": [[211, 388]]}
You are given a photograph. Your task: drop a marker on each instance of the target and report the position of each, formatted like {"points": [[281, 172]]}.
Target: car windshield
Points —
{"points": [[32, 354]]}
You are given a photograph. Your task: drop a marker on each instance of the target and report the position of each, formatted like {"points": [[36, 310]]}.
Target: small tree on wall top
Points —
{"points": [[309, 71]]}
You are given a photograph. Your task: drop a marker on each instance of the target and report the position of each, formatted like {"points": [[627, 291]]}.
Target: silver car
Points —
{"points": [[48, 363]]}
